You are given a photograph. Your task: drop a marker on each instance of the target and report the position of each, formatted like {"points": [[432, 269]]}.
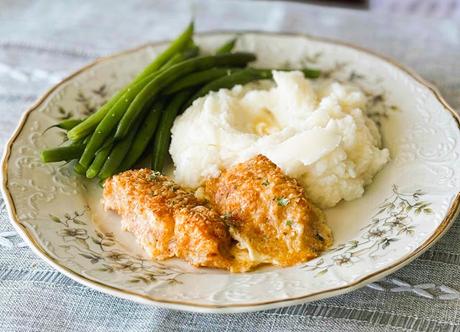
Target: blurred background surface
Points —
{"points": [[426, 8]]}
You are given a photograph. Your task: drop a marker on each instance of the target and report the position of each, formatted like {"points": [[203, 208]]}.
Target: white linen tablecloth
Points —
{"points": [[42, 41]]}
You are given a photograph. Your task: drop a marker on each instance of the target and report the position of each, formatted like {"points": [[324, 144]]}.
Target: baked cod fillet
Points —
{"points": [[168, 220], [268, 214]]}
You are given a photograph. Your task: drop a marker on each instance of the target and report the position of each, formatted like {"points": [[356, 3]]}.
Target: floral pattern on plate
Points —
{"points": [[411, 202]]}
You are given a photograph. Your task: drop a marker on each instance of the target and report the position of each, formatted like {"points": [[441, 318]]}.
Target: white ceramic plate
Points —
{"points": [[411, 203]]}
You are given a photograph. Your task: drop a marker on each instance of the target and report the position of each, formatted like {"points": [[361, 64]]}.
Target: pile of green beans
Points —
{"points": [[139, 117]]}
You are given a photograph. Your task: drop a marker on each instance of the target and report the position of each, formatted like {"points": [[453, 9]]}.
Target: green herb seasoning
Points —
{"points": [[288, 222], [319, 237], [226, 216], [282, 201], [154, 175]]}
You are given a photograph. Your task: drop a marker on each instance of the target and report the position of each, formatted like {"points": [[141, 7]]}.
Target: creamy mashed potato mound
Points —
{"points": [[316, 131]]}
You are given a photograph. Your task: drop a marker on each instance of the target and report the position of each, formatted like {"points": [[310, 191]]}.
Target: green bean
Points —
{"points": [[311, 73], [62, 153], [240, 77], [198, 78], [117, 155], [179, 57], [65, 124], [79, 169], [109, 122], [176, 46], [163, 134], [191, 51], [143, 136], [83, 141], [83, 129], [170, 75], [69, 123], [112, 118], [227, 47], [98, 162]]}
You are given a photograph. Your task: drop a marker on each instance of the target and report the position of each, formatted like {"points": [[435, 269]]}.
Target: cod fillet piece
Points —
{"points": [[167, 220], [268, 214]]}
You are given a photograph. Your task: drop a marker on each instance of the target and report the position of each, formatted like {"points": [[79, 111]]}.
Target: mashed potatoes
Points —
{"points": [[317, 133]]}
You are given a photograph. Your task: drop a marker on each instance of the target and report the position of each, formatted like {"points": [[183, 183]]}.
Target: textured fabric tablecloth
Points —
{"points": [[42, 41]]}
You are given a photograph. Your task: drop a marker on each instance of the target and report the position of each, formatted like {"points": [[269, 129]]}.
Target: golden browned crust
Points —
{"points": [[263, 209], [168, 220], [202, 238], [267, 212]]}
